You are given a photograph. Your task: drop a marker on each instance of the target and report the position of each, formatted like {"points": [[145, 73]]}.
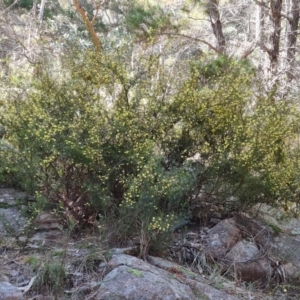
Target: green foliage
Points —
{"points": [[10, 173], [147, 20], [21, 3], [247, 143], [98, 141], [51, 277], [28, 5], [209, 69], [33, 262]]}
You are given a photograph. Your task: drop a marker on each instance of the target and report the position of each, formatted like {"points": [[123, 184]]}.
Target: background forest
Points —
{"points": [[137, 114]]}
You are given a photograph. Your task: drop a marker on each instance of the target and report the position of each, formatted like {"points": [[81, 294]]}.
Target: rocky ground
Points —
{"points": [[241, 257]]}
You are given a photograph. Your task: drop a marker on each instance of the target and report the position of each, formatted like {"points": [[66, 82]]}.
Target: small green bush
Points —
{"points": [[51, 278]]}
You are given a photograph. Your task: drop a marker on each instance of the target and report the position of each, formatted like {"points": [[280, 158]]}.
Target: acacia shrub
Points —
{"points": [[58, 130], [82, 142], [247, 143], [100, 142]]}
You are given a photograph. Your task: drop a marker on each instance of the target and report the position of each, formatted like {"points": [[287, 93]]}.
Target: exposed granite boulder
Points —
{"points": [[285, 246], [48, 227], [11, 220], [198, 284], [277, 218], [132, 278], [221, 238], [248, 262]]}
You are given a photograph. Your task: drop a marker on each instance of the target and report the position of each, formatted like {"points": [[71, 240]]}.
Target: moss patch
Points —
{"points": [[135, 272]]}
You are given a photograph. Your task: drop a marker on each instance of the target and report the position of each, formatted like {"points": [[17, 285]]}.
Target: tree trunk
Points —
{"points": [[42, 9], [34, 7], [215, 21], [292, 30], [89, 24], [275, 16], [260, 24]]}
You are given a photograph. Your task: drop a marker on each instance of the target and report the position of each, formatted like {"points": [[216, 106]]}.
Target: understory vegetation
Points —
{"points": [[98, 144], [137, 144]]}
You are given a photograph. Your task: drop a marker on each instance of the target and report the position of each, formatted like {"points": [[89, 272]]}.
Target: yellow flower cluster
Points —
{"points": [[161, 224]]}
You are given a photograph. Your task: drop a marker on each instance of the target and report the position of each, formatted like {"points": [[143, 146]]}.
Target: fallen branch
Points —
{"points": [[26, 288]]}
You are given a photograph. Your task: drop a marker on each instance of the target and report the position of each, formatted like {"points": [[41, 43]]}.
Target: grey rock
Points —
{"points": [[9, 292], [243, 251], [46, 237], [287, 248], [205, 291], [195, 281], [276, 217], [162, 263], [11, 221], [221, 238], [48, 221], [290, 271], [11, 196], [132, 278], [48, 229], [216, 215], [261, 233], [3, 278], [129, 283], [214, 220]]}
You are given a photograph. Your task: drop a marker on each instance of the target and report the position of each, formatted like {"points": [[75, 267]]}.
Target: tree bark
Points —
{"points": [[216, 24], [34, 7], [260, 24], [275, 16], [292, 30], [89, 24], [42, 9]]}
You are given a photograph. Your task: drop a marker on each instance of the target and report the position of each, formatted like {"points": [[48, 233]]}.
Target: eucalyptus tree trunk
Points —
{"points": [[293, 14], [34, 7], [275, 17], [42, 9], [261, 14], [89, 23], [216, 24]]}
